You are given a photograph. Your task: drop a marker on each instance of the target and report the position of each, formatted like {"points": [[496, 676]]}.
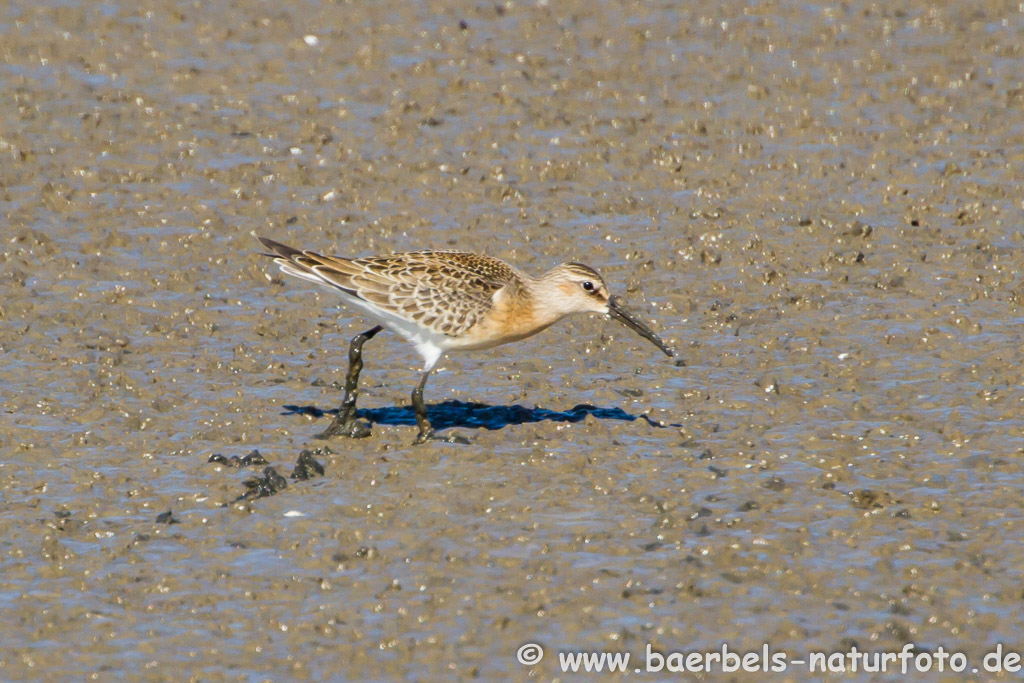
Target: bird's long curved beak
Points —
{"points": [[615, 310]]}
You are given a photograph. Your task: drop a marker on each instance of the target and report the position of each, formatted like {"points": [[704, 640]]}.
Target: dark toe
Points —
{"points": [[353, 430]]}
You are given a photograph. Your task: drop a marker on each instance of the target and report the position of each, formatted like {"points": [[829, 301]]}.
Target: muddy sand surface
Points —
{"points": [[819, 206]]}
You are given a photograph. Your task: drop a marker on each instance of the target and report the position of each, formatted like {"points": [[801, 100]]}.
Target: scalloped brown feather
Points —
{"points": [[448, 292]]}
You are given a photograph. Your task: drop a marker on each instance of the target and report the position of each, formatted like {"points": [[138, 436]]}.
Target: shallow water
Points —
{"points": [[817, 206]]}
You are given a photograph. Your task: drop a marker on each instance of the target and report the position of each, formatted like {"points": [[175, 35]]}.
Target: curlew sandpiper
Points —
{"points": [[448, 301]]}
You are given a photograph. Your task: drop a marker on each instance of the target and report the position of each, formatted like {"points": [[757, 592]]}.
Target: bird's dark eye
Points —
{"points": [[588, 286]]}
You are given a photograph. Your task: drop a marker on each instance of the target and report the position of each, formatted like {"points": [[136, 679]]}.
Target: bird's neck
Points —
{"points": [[545, 299]]}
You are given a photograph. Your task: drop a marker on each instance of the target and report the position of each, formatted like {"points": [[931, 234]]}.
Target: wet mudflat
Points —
{"points": [[818, 206]]}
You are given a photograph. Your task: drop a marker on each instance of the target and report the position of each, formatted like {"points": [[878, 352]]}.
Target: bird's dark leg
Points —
{"points": [[420, 409], [426, 431], [345, 423]]}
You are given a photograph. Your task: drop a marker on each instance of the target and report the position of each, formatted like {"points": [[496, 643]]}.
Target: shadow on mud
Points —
{"points": [[477, 415]]}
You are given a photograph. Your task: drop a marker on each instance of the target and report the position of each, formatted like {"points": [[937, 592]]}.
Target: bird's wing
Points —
{"points": [[447, 292]]}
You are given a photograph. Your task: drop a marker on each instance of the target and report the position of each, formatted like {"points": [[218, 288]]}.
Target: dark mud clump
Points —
{"points": [[167, 518], [261, 487], [253, 458], [307, 466]]}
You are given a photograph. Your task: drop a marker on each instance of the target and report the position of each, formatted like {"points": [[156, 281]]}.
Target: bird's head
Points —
{"points": [[581, 289]]}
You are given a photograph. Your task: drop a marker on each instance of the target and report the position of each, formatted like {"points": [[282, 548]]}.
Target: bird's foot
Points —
{"points": [[429, 435], [351, 427]]}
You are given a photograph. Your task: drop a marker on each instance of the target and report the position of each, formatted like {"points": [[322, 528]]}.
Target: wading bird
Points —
{"points": [[448, 301]]}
